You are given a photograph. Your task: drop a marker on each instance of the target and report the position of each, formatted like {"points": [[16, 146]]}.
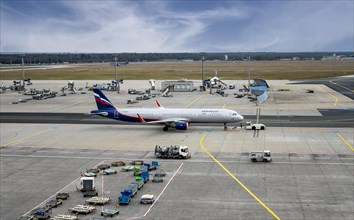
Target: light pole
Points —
{"points": [[249, 74], [203, 55], [115, 70], [23, 73], [115, 66]]}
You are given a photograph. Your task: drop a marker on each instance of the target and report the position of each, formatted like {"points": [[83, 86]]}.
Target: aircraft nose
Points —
{"points": [[240, 117]]}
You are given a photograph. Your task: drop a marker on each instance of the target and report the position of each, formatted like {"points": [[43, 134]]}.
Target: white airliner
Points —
{"points": [[169, 117]]}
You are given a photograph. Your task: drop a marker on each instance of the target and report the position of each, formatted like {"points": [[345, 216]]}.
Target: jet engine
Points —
{"points": [[181, 125]]}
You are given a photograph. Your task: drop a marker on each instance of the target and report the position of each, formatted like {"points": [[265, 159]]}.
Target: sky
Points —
{"points": [[147, 26]]}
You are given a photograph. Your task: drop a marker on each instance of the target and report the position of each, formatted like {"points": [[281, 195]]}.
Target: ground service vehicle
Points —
{"points": [[82, 209], [137, 162], [65, 217], [127, 168], [88, 186], [110, 212], [117, 164], [54, 203], [173, 151], [154, 165], [103, 166], [157, 178], [124, 198], [109, 171], [98, 200], [93, 170], [139, 170], [90, 174], [260, 156], [145, 175], [62, 196], [132, 188], [160, 172], [251, 126], [42, 213], [147, 199], [139, 182]]}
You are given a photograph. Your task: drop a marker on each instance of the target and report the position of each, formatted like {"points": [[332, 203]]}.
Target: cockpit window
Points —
{"points": [[234, 113]]}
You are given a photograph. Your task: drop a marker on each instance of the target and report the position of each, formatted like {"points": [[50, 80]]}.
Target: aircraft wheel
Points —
{"points": [[165, 128]]}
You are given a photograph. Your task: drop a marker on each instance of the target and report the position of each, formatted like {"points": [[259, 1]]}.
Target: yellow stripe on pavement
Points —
{"points": [[237, 180], [76, 103], [341, 86], [193, 101], [346, 142], [336, 99], [21, 139]]}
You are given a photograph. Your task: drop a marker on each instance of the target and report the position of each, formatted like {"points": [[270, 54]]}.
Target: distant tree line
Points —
{"points": [[47, 58]]}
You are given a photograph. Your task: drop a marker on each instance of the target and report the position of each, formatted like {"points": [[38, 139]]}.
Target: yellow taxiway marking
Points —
{"points": [[341, 86], [237, 180], [71, 104], [336, 99], [30, 136], [224, 106], [346, 142], [193, 101]]}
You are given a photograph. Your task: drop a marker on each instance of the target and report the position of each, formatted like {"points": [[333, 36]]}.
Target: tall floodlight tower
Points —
{"points": [[115, 66], [202, 56], [116, 76], [249, 74], [23, 72]]}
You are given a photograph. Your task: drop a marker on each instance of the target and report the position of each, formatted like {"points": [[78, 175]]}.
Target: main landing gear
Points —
{"points": [[225, 127], [165, 128]]}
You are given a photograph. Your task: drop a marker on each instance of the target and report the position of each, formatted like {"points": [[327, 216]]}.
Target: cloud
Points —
{"points": [[169, 26]]}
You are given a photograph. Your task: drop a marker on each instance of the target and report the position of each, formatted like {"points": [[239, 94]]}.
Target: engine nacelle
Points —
{"points": [[181, 125]]}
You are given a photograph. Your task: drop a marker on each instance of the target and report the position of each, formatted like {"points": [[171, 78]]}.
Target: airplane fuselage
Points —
{"points": [[178, 118], [189, 115]]}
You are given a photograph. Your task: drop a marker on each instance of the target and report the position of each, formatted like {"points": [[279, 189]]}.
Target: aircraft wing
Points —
{"points": [[164, 121], [168, 121]]}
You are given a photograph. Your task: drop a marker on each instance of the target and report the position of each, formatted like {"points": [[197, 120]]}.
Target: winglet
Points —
{"points": [[141, 119], [158, 104]]}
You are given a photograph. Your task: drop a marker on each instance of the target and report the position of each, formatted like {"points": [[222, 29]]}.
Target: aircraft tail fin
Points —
{"points": [[102, 101], [159, 104], [141, 119]]}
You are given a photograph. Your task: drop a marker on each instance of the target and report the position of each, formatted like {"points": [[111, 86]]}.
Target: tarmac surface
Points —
{"points": [[311, 175]]}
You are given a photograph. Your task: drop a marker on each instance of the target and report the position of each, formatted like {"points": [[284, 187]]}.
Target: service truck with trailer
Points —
{"points": [[173, 151]]}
